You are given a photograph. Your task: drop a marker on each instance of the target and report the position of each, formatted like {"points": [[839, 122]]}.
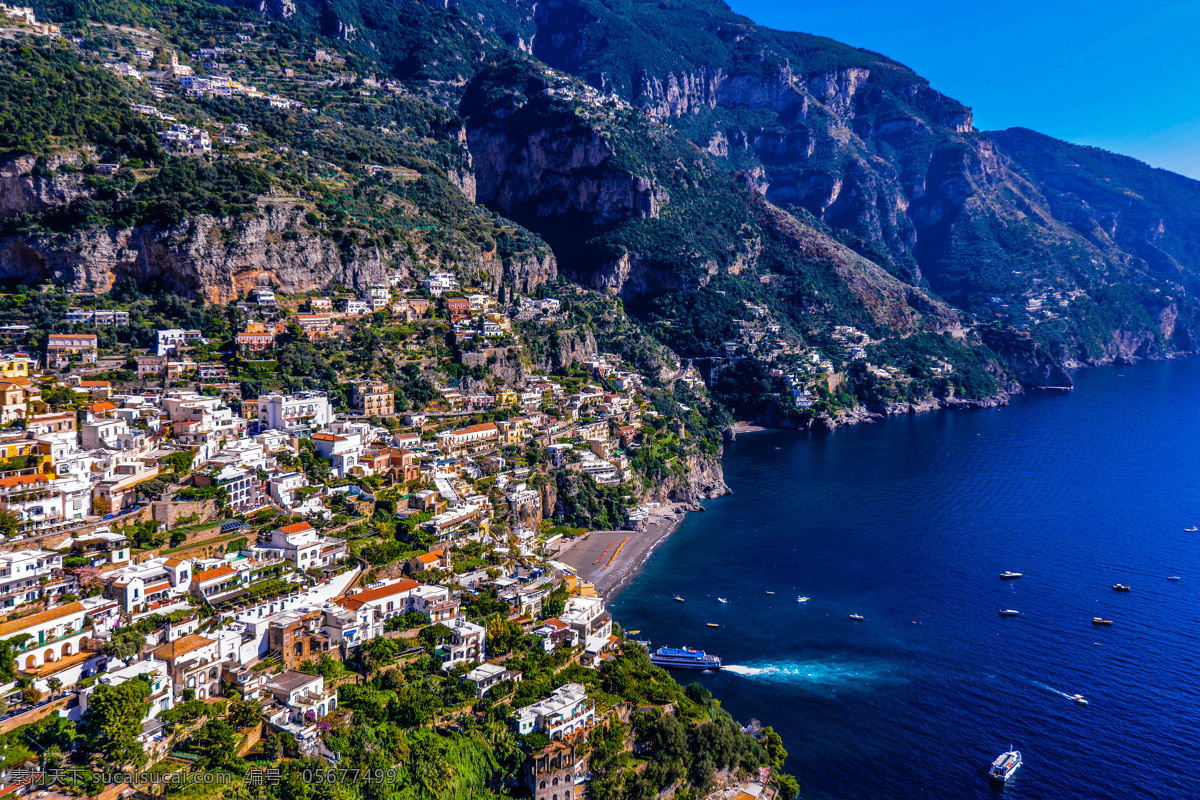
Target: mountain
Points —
{"points": [[673, 153]]}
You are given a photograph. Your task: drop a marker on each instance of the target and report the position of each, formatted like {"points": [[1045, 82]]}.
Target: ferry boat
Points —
{"points": [[1120, 587], [684, 658], [1008, 576], [1005, 766], [1009, 612]]}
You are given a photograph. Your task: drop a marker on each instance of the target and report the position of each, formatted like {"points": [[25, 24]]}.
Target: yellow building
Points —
{"points": [[16, 366], [12, 402], [577, 587]]}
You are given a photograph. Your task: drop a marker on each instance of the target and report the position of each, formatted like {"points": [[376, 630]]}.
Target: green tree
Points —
{"points": [[10, 523], [55, 684], [124, 644], [773, 743], [114, 720], [216, 743]]}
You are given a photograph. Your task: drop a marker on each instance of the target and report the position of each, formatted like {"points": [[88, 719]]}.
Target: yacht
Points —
{"points": [[1005, 766], [801, 599], [1009, 612], [678, 599], [1101, 621], [722, 600], [1120, 587], [1079, 699], [713, 625], [684, 658], [1192, 529], [1172, 577], [1008, 576], [770, 593], [857, 617]]}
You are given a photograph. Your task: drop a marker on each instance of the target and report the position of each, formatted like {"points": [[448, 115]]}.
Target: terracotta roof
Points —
{"points": [[555, 623], [23, 480], [328, 437], [360, 599], [61, 336], [299, 527], [24, 623], [94, 383], [174, 562], [104, 406], [158, 587], [212, 574], [182, 646], [485, 426]]}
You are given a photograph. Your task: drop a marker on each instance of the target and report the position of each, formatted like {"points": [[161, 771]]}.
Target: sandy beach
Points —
{"points": [[593, 554]]}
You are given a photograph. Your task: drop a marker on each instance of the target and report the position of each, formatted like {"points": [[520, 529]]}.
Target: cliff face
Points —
{"points": [[702, 478], [219, 259]]}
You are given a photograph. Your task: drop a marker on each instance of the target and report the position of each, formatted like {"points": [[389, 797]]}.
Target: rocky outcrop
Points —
{"points": [[222, 259], [27, 189], [555, 173], [701, 478]]}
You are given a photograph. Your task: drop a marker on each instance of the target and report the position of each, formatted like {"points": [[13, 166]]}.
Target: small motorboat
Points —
{"points": [[633, 633], [1172, 577], [1008, 576], [713, 625], [770, 593], [678, 599], [1192, 529], [722, 600], [1005, 766], [857, 617], [1101, 621], [1120, 587], [1080, 699], [1009, 612], [801, 599]]}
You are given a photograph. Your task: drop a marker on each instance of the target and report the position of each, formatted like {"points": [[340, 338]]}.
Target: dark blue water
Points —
{"points": [[909, 523]]}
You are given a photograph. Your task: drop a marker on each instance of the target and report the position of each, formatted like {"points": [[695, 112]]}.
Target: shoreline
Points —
{"points": [[611, 576]]}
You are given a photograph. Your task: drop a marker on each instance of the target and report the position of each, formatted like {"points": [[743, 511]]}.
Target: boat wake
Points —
{"points": [[815, 673], [1049, 688]]}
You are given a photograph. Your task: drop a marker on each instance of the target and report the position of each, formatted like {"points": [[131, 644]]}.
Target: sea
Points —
{"points": [[910, 522]]}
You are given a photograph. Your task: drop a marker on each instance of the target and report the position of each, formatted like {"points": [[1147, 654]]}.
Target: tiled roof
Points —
{"points": [[182, 646], [24, 623], [212, 574], [299, 527]]}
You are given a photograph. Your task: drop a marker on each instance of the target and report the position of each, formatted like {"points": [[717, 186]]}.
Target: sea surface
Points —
{"points": [[909, 523]]}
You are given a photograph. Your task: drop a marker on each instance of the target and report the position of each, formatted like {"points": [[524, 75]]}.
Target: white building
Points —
{"points": [[296, 414], [22, 572], [561, 714]]}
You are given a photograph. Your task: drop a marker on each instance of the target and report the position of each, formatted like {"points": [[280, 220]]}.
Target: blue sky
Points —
{"points": [[1116, 74]]}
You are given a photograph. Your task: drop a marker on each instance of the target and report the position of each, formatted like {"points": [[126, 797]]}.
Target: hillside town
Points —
{"points": [[164, 528]]}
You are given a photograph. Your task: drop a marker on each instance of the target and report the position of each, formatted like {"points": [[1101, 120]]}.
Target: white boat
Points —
{"points": [[770, 593], [678, 599], [857, 617], [1172, 577], [1005, 766], [1192, 529], [1009, 612], [722, 600], [1079, 699], [801, 599], [1008, 576]]}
